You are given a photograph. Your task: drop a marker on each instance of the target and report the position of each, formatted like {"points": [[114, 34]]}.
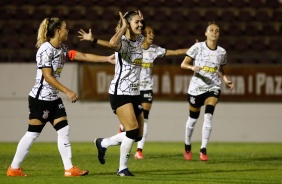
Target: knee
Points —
{"points": [[34, 131], [132, 134], [61, 124], [209, 109], [62, 129], [35, 128], [194, 115]]}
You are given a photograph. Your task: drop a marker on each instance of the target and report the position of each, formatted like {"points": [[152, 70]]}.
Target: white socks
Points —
{"points": [[206, 131], [23, 148], [29, 137], [189, 130], [113, 141], [64, 147], [125, 149], [141, 143]]}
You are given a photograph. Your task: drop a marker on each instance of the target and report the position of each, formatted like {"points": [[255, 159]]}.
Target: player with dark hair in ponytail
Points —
{"points": [[206, 59]]}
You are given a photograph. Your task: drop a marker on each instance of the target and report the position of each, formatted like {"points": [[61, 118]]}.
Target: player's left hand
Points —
{"points": [[85, 36], [140, 14]]}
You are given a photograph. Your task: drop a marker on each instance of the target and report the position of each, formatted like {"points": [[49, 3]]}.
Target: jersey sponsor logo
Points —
{"points": [[58, 71], [137, 61], [209, 69], [144, 82], [55, 92], [134, 86], [206, 89], [202, 88], [45, 114], [149, 96], [147, 65]]}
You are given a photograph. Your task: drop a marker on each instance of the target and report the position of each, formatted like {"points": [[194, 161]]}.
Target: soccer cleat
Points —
{"points": [[203, 154], [124, 172], [101, 151], [139, 155], [187, 155], [15, 172], [74, 171]]}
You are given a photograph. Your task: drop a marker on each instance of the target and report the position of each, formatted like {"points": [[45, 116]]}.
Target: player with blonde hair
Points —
{"points": [[45, 105]]}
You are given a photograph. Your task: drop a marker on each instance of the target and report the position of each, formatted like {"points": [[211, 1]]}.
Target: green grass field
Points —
{"points": [[163, 163]]}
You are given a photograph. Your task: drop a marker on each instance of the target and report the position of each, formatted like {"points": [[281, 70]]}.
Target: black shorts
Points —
{"points": [[147, 96], [46, 110], [199, 100], [119, 100]]}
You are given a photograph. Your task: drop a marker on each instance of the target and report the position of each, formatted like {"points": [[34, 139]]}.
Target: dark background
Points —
{"points": [[250, 29]]}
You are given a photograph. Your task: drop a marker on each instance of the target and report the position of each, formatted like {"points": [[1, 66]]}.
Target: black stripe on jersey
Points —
{"points": [[120, 62], [164, 53], [40, 88], [189, 56], [44, 67]]}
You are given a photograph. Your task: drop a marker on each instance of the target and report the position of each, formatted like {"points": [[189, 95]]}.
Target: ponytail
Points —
{"points": [[47, 29]]}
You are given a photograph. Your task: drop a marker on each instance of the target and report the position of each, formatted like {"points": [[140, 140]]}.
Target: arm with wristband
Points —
{"points": [[89, 37]]}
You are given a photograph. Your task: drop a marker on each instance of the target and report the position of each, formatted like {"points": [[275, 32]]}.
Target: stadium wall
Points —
{"points": [[233, 122]]}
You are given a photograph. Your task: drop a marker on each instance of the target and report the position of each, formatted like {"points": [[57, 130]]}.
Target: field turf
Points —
{"points": [[163, 163]]}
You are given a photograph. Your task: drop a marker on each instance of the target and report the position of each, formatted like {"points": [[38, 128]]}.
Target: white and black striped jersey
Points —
{"points": [[128, 67], [149, 55], [48, 56], [207, 79]]}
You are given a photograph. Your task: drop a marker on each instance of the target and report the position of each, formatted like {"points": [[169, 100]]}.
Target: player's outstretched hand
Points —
{"points": [[84, 35]]}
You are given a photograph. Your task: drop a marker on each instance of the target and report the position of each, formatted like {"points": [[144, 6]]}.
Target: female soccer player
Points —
{"points": [[206, 59], [45, 105], [124, 90], [150, 53]]}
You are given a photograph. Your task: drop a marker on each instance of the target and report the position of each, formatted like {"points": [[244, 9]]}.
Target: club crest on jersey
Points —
{"points": [[45, 114]]}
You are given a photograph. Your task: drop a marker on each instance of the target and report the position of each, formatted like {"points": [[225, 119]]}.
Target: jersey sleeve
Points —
{"points": [[160, 51], [224, 59], [45, 57], [192, 51], [124, 44]]}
